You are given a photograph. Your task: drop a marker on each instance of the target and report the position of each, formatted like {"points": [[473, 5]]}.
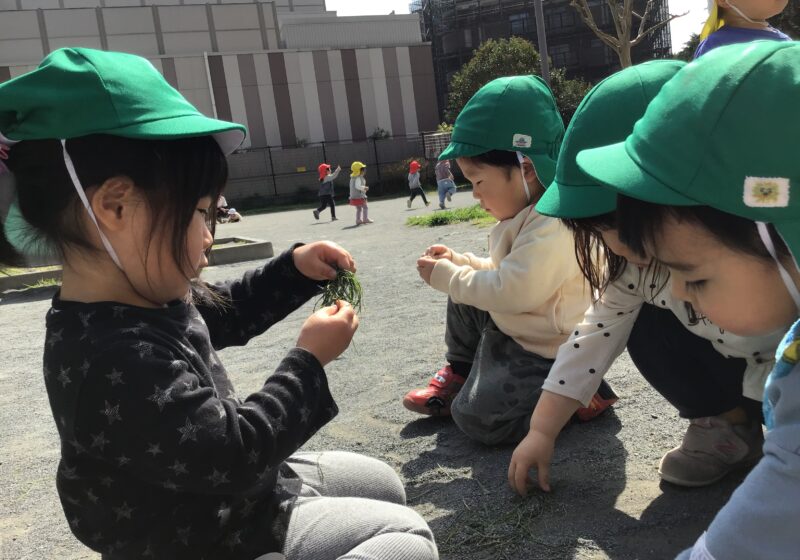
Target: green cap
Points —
{"points": [[725, 133], [605, 116], [515, 114], [75, 92]]}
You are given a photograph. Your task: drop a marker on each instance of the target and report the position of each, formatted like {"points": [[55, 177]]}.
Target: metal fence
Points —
{"points": [[280, 175]]}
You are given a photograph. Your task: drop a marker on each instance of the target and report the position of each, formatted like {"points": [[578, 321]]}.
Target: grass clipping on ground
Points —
{"points": [[345, 287], [474, 214]]}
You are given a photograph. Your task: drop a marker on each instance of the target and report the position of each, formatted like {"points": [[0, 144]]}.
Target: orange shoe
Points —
{"points": [[435, 399], [602, 400]]}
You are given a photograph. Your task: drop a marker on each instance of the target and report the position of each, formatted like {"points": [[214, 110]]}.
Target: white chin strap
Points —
{"points": [[521, 159], [745, 17], [766, 239], [82, 194]]}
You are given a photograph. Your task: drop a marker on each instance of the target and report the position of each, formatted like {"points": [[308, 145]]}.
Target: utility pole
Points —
{"points": [[540, 33]]}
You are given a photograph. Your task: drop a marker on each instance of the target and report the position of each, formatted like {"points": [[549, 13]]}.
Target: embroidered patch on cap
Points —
{"points": [[766, 192], [522, 141]]}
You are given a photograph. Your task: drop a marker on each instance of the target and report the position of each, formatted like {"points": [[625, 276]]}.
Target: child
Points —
{"points": [[444, 182], [414, 185], [326, 179], [159, 456], [506, 314], [724, 220], [358, 192], [698, 369], [740, 22]]}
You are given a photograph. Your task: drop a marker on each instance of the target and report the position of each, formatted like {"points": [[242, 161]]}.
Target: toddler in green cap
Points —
{"points": [[696, 368], [506, 314], [720, 210], [118, 175]]}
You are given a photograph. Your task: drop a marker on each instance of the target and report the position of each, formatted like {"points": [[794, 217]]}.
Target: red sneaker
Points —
{"points": [[435, 399], [602, 400]]}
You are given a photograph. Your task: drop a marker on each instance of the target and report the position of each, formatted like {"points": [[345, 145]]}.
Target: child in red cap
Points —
{"points": [[414, 185], [326, 179]]}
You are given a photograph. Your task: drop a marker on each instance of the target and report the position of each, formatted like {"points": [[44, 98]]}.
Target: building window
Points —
{"points": [[468, 38], [562, 56], [519, 23], [560, 19]]}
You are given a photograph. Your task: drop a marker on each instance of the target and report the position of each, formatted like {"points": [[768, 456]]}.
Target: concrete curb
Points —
{"points": [[19, 281]]}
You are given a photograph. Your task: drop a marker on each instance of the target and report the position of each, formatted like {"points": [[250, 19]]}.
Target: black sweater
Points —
{"points": [[159, 457]]}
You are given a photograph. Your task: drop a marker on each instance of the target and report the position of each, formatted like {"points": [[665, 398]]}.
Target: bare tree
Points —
{"points": [[622, 14]]}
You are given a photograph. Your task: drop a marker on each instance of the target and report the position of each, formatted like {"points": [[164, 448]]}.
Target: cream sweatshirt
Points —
{"points": [[530, 284]]}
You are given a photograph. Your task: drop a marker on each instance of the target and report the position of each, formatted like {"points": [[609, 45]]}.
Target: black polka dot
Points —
{"points": [[576, 345], [756, 353], [664, 303], [561, 382], [652, 286], [620, 313], [631, 286], [759, 361], [607, 334], [720, 341], [600, 325], [577, 333], [592, 370]]}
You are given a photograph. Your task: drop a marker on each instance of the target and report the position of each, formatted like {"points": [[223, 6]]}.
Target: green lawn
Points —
{"points": [[474, 214]]}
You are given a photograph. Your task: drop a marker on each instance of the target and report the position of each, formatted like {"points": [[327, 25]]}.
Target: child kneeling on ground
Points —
{"points": [[159, 456], [506, 314]]}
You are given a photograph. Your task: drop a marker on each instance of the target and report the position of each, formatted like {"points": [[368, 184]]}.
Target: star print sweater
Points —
{"points": [[159, 457], [602, 336]]}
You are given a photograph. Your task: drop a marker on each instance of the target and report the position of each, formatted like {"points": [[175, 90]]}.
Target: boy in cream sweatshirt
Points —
{"points": [[506, 314]]}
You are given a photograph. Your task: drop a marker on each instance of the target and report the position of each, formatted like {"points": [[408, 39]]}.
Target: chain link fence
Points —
{"points": [[262, 177]]}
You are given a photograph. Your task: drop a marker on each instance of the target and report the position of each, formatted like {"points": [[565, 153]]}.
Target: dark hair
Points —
{"points": [[641, 222], [591, 251], [497, 158], [172, 175]]}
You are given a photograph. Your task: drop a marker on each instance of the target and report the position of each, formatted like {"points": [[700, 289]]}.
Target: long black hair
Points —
{"points": [[592, 252], [172, 176]]}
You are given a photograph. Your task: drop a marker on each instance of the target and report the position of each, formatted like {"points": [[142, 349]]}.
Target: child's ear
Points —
{"points": [[113, 202], [531, 177]]}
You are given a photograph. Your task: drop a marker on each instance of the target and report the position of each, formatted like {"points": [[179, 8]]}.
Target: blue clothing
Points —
{"points": [[761, 519], [445, 187], [727, 35]]}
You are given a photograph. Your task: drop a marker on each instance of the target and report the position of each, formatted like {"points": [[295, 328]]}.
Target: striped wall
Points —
{"points": [[284, 97]]}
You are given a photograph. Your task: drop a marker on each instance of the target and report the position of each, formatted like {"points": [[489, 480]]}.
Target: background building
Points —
{"points": [[308, 85], [455, 28]]}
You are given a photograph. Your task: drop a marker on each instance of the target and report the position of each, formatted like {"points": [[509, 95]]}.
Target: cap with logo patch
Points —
{"points": [[724, 132], [515, 114], [606, 115]]}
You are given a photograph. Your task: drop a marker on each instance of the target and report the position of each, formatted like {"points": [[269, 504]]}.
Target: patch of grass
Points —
{"points": [[14, 271], [49, 283], [474, 214]]}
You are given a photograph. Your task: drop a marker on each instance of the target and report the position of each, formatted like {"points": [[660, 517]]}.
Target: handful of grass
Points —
{"points": [[345, 287]]}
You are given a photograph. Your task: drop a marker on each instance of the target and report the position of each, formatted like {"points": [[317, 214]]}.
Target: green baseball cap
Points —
{"points": [[724, 133], [605, 116], [75, 92], [515, 114]]}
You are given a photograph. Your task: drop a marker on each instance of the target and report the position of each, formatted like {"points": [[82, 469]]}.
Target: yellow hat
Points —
{"points": [[714, 20], [355, 168]]}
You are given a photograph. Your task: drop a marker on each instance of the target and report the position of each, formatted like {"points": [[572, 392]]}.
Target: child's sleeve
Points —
{"points": [[152, 413], [584, 359], [539, 263], [255, 302], [332, 177], [762, 518]]}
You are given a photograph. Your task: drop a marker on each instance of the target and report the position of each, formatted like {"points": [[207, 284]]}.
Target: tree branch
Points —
{"points": [[655, 28], [586, 15]]}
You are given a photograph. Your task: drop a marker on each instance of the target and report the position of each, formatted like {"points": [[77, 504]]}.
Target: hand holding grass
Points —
{"points": [[328, 332], [321, 260]]}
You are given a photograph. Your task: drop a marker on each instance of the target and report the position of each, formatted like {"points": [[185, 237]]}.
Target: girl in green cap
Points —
{"points": [[699, 370], [720, 210], [117, 174], [506, 314]]}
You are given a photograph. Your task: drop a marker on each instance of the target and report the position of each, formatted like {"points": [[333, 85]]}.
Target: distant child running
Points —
{"points": [[739, 21], [160, 458], [358, 192], [414, 184], [506, 314], [445, 183], [326, 179]]}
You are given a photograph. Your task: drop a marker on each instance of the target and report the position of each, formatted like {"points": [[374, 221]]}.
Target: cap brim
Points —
{"points": [[456, 150], [563, 201], [228, 135], [613, 166]]}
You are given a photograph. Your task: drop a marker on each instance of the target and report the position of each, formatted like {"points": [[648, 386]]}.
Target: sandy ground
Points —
{"points": [[607, 500]]}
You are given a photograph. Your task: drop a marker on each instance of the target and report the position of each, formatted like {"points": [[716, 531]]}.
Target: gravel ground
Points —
{"points": [[607, 500]]}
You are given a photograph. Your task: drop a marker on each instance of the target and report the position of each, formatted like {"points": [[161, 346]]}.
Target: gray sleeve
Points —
{"points": [[762, 518]]}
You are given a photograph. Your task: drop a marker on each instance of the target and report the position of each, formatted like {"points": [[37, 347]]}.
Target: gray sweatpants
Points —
{"points": [[505, 382], [352, 507]]}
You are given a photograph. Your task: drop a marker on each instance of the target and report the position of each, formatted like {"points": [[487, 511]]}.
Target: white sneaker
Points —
{"points": [[408, 203]]}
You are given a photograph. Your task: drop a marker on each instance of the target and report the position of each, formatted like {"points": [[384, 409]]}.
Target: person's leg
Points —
{"points": [[332, 204], [353, 507], [359, 214], [496, 402], [441, 187], [724, 432], [462, 335], [424, 198], [366, 219]]}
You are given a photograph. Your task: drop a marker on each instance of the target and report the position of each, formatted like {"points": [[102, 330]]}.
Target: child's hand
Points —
{"points": [[536, 450], [425, 268], [328, 332], [439, 252], [320, 260]]}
